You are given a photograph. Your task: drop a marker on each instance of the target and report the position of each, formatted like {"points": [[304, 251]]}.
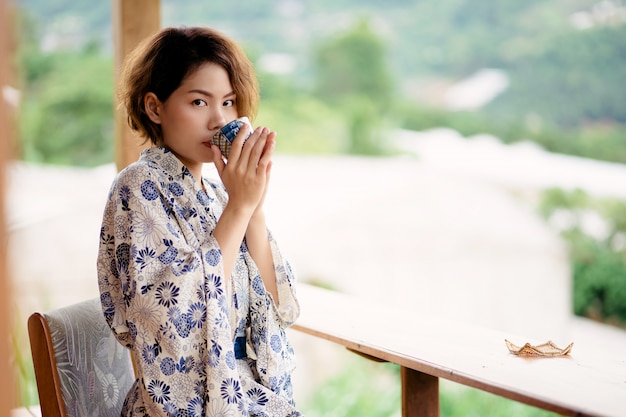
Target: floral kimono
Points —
{"points": [[197, 351]]}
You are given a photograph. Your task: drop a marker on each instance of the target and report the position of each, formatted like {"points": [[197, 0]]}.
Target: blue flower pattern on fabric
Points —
{"points": [[176, 189], [159, 391], [164, 295], [149, 191], [168, 367], [213, 257]]}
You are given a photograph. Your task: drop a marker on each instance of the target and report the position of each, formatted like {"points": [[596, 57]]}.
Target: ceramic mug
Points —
{"points": [[226, 135]]}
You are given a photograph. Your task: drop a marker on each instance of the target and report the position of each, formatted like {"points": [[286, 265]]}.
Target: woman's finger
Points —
{"points": [[257, 149], [268, 150], [218, 159], [247, 147], [237, 145]]}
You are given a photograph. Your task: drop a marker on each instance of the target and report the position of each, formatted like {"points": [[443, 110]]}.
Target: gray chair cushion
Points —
{"points": [[95, 371]]}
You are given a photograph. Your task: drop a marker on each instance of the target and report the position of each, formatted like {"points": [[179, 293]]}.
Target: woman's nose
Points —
{"points": [[217, 120]]}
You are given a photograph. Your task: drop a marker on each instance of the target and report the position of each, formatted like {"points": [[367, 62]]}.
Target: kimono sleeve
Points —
{"points": [[166, 300], [288, 309], [271, 349], [275, 357]]}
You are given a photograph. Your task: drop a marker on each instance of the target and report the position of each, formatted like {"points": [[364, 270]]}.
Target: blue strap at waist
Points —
{"points": [[240, 347]]}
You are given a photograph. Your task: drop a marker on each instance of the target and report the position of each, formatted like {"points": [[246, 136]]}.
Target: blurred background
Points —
{"points": [[464, 159]]}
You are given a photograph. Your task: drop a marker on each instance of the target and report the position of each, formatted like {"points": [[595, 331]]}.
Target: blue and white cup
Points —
{"points": [[226, 135]]}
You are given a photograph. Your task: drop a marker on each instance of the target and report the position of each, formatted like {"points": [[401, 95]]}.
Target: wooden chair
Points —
{"points": [[80, 368]]}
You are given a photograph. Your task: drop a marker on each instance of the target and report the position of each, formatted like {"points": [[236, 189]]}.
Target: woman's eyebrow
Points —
{"points": [[208, 94]]}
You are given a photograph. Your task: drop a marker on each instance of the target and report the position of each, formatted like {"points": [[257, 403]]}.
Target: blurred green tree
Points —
{"points": [[352, 73], [598, 259], [66, 110]]}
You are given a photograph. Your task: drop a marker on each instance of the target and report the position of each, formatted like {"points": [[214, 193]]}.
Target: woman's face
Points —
{"points": [[203, 103]]}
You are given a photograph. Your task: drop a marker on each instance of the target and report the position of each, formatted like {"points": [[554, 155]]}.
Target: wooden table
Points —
{"points": [[429, 348]]}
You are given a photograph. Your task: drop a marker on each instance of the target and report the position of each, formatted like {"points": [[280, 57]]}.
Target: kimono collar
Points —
{"points": [[164, 159]]}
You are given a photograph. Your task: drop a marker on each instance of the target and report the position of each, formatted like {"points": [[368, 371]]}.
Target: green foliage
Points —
{"points": [[460, 401], [359, 388], [599, 280], [23, 365], [562, 95], [304, 125], [571, 81], [419, 117], [364, 123], [353, 75], [365, 388], [353, 63], [598, 259], [66, 114], [605, 142]]}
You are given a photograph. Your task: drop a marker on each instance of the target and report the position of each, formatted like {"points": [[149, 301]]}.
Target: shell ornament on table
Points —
{"points": [[544, 349]]}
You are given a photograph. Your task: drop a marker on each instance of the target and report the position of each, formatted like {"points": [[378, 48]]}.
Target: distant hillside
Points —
{"points": [[565, 60]]}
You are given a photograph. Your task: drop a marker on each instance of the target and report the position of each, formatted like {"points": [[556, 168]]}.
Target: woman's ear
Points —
{"points": [[152, 104]]}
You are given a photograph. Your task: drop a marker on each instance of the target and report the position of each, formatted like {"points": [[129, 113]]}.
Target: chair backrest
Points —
{"points": [[80, 368]]}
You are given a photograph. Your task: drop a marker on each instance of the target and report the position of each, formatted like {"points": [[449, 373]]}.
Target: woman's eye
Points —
{"points": [[199, 102], [229, 103]]}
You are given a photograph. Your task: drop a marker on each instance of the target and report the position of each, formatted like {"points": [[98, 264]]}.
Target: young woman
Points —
{"points": [[191, 281]]}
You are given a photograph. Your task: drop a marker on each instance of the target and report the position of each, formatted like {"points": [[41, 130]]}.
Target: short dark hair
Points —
{"points": [[162, 62]]}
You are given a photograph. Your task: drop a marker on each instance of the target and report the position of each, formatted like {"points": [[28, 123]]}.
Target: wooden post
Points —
{"points": [[133, 21], [6, 139], [420, 394]]}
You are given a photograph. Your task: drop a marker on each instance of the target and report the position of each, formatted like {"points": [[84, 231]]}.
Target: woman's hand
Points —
{"points": [[269, 147], [246, 174], [246, 178]]}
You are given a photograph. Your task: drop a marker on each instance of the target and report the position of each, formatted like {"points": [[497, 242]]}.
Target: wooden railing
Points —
{"points": [[428, 348]]}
